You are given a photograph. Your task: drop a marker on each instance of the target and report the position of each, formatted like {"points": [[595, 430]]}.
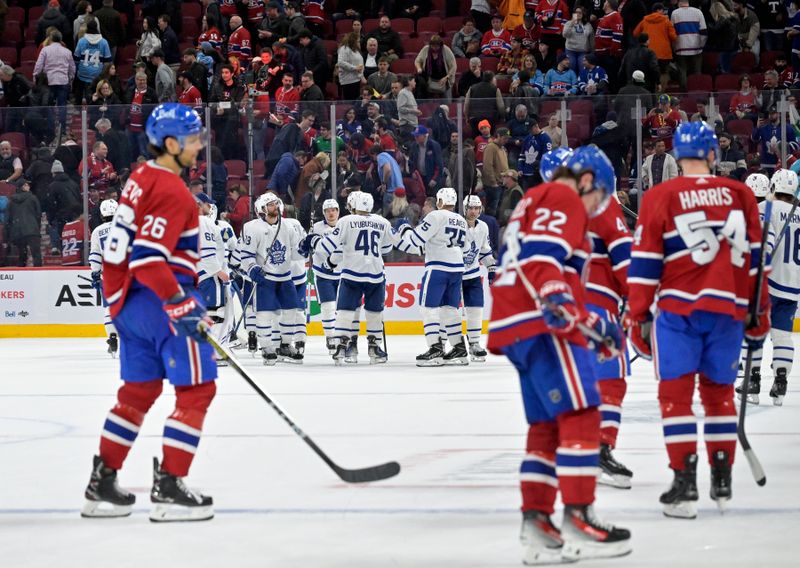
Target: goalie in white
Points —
{"points": [[98, 241], [211, 273]]}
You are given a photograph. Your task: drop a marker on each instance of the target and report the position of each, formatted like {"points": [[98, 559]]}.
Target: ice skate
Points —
{"points": [[477, 353], [351, 351], [330, 344], [541, 539], [300, 347], [679, 499], [173, 501], [104, 497], [753, 387], [778, 390], [613, 473], [288, 354], [269, 357], [252, 343], [585, 536], [340, 350], [432, 357], [376, 354], [457, 355], [113, 345], [721, 490]]}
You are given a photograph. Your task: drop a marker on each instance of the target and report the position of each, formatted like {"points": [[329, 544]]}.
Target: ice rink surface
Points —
{"points": [[459, 434]]}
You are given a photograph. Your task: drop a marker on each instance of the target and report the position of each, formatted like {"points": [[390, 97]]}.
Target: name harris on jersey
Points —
{"points": [[708, 197]]}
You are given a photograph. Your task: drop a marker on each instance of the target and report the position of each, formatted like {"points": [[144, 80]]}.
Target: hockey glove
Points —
{"points": [[611, 333], [256, 274], [558, 307], [756, 331], [639, 335], [329, 265], [97, 280], [492, 271], [185, 313], [309, 244]]}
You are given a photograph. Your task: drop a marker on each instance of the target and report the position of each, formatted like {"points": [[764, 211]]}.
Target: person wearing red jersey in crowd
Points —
{"points": [[287, 102], [696, 251], [662, 121], [101, 171], [529, 31], [211, 34], [608, 41], [384, 138], [255, 11], [497, 40], [314, 12], [538, 321], [228, 9], [149, 281], [140, 98], [481, 141], [551, 16], [72, 237], [744, 104], [241, 208], [190, 95], [239, 42]]}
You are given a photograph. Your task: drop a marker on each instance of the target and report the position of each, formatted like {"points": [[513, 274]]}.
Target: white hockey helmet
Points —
{"points": [[759, 184], [212, 212], [330, 204], [364, 202], [784, 181], [472, 201], [447, 196], [108, 207], [351, 200]]}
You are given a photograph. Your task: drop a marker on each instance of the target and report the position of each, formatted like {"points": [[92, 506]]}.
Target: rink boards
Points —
{"points": [[60, 302]]}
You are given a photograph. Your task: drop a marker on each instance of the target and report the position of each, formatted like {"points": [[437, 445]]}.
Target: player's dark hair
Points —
{"points": [[564, 172]]}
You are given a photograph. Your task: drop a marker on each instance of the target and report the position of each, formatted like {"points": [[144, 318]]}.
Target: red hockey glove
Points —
{"points": [[558, 307], [756, 331], [185, 313], [639, 335]]}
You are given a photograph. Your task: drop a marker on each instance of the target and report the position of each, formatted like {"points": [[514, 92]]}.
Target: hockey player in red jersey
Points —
{"points": [[695, 252], [538, 319], [149, 281]]}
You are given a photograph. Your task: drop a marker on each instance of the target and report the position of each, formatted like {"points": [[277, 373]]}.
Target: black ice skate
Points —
{"points": [[457, 355], [269, 357], [541, 539], [113, 345], [252, 343], [778, 390], [432, 357], [376, 354], [613, 473], [351, 351], [721, 491], [104, 497], [173, 501], [679, 499], [585, 536], [300, 347], [477, 353], [330, 344], [288, 354], [753, 387], [340, 349]]}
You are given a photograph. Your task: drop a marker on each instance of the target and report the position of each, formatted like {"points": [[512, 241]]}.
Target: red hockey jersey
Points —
{"points": [[608, 36], [153, 240], [611, 255], [549, 226], [552, 16], [72, 237], [240, 46], [696, 247]]}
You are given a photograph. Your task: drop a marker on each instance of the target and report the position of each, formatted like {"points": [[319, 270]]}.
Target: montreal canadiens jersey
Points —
{"points": [[212, 249], [321, 253], [548, 229], [273, 252], [696, 247], [442, 234], [153, 241], [299, 263], [784, 278], [97, 242], [362, 240], [607, 284], [480, 250]]}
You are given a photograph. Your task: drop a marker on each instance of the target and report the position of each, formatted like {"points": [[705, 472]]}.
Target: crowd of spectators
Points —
{"points": [[263, 74]]}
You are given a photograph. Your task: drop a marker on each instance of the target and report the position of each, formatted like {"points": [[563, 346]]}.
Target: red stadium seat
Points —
{"points": [[710, 62], [15, 13], [743, 62], [344, 27], [370, 25], [548, 107], [577, 133], [259, 169], [452, 24], [236, 168], [429, 25], [767, 59], [726, 82], [490, 63], [740, 127], [7, 189], [190, 29], [581, 106], [403, 67], [126, 53], [403, 25], [12, 37], [8, 55], [462, 64], [415, 44], [426, 36], [29, 53], [190, 10], [30, 35], [504, 84], [757, 80], [700, 82], [26, 69], [689, 103], [35, 14]]}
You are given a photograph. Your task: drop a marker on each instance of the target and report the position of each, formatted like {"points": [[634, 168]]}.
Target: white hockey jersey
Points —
{"points": [[320, 254], [98, 241], [212, 250], [784, 279], [442, 234], [273, 253], [480, 250], [299, 275], [362, 240], [228, 237]]}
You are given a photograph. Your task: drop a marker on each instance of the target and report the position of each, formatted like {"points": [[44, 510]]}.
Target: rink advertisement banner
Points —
{"points": [[60, 302]]}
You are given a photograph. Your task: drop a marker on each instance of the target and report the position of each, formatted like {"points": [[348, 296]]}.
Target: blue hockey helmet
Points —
{"points": [[592, 159], [551, 161], [694, 140], [172, 120]]}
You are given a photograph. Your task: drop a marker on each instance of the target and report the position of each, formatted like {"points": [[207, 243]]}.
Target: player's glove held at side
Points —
{"points": [[185, 313], [756, 331], [559, 310], [639, 335]]}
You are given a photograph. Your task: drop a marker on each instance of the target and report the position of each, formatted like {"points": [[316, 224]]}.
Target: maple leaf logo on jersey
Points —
{"points": [[277, 254], [471, 254], [530, 155]]}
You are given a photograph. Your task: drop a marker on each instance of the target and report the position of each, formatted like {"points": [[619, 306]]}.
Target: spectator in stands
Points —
{"points": [[169, 42], [388, 174], [552, 15], [111, 26], [561, 81], [436, 70], [533, 148], [314, 57], [384, 138], [407, 110], [274, 25], [793, 35], [773, 91], [579, 38], [675, 106], [38, 120], [441, 127], [389, 43], [165, 77], [358, 152], [484, 101], [512, 193], [661, 32], [10, 165], [347, 10], [745, 103], [482, 140], [471, 77], [190, 95], [722, 38], [662, 121], [414, 9], [325, 141], [495, 162], [610, 138], [345, 171], [425, 157], [554, 130], [641, 58], [311, 183], [608, 41], [690, 25], [381, 80], [219, 178], [768, 133], [706, 114], [198, 73], [730, 162], [350, 65], [467, 41], [518, 127], [632, 12], [370, 55], [659, 166], [141, 99], [239, 43], [287, 171], [311, 96], [70, 154], [210, 32], [57, 63], [63, 197], [369, 124], [511, 61], [545, 57], [529, 31], [150, 40], [593, 79], [228, 94], [535, 77], [296, 22], [102, 175], [400, 211], [748, 27], [361, 106], [109, 74], [53, 17], [497, 40], [787, 76], [83, 10], [91, 53], [287, 99], [104, 103], [118, 153], [773, 17], [241, 208], [38, 172], [289, 139], [23, 223], [348, 125]]}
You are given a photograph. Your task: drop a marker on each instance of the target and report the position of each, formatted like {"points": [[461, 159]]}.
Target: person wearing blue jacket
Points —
{"points": [[561, 80], [533, 148], [91, 53], [432, 170], [286, 174], [768, 134], [593, 79]]}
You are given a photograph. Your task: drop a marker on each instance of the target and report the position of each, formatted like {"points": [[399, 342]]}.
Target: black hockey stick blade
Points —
{"points": [[368, 474]]}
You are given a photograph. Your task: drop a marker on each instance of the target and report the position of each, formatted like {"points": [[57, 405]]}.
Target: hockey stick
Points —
{"points": [[629, 211], [752, 460], [383, 323], [363, 475], [245, 305]]}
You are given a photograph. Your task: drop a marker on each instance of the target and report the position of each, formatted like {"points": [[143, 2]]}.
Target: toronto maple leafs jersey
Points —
{"points": [[299, 263], [273, 247], [443, 236], [362, 240], [212, 249], [784, 278], [320, 255], [98, 241], [480, 250], [228, 238]]}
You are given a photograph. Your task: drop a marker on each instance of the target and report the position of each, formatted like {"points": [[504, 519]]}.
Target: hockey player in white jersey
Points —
{"points": [[362, 239], [326, 277], [98, 241], [293, 322], [759, 185], [442, 235], [480, 252], [784, 287], [211, 273], [248, 287]]}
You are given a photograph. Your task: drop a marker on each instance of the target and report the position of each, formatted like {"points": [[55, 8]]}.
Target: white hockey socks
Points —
{"points": [[267, 324], [782, 350], [300, 331], [374, 324], [430, 322], [328, 310], [451, 320], [108, 324], [344, 324], [474, 324], [355, 325]]}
